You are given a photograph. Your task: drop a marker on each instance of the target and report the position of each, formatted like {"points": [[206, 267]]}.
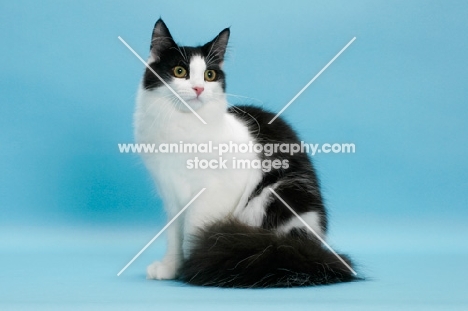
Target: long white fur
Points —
{"points": [[161, 118], [311, 218]]}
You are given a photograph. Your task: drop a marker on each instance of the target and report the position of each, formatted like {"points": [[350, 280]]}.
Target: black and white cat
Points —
{"points": [[237, 233]]}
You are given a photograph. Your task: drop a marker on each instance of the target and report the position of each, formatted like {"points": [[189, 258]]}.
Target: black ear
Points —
{"points": [[217, 47], [161, 40]]}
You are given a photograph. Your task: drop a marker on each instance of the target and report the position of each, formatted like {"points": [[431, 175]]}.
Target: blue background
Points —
{"points": [[74, 211]]}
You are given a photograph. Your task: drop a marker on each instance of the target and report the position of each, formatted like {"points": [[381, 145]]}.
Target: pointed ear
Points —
{"points": [[161, 40], [217, 47]]}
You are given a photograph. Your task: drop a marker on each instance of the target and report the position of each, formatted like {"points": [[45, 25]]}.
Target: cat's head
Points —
{"points": [[195, 73]]}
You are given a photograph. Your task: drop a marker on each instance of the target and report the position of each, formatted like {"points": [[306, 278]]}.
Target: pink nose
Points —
{"points": [[198, 89]]}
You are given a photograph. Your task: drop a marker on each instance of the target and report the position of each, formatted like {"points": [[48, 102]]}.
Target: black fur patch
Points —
{"points": [[231, 254], [299, 185]]}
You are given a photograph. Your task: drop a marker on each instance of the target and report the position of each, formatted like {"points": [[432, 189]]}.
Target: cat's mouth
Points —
{"points": [[194, 103]]}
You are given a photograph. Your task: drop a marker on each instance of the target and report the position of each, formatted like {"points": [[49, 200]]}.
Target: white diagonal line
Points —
{"points": [[315, 233], [160, 232], [159, 77], [311, 81]]}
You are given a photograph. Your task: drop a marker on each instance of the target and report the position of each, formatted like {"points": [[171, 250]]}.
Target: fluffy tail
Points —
{"points": [[231, 254]]}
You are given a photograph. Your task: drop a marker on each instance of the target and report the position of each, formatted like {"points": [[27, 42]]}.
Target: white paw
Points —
{"points": [[161, 271]]}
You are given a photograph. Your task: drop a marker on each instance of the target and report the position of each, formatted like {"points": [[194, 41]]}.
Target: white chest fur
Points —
{"points": [[157, 121]]}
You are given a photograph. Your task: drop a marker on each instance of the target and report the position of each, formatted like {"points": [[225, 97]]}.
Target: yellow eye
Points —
{"points": [[210, 75], [179, 72]]}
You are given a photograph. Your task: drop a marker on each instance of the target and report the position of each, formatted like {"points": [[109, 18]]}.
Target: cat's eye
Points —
{"points": [[179, 72], [210, 75]]}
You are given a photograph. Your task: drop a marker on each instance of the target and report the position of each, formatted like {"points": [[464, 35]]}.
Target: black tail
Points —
{"points": [[231, 254]]}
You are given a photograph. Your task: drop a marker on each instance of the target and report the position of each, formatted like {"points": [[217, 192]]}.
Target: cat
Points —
{"points": [[237, 233]]}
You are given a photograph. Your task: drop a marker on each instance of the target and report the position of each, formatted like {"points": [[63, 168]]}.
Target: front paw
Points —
{"points": [[161, 271]]}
